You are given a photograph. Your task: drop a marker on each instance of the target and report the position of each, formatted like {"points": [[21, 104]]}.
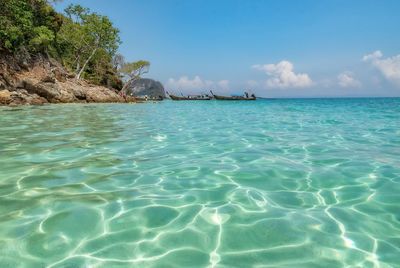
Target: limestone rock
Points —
{"points": [[2, 85], [71, 75], [20, 97], [146, 86], [46, 81], [24, 65], [101, 94], [49, 91], [49, 79], [78, 91], [60, 75], [5, 97], [53, 62]]}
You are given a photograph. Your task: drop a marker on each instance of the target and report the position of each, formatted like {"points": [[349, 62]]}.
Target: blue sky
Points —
{"points": [[284, 48]]}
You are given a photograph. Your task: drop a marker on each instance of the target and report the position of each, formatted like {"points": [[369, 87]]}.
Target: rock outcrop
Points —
{"points": [[145, 86], [43, 81]]}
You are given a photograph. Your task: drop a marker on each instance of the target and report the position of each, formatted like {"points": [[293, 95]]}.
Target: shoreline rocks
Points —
{"points": [[46, 81]]}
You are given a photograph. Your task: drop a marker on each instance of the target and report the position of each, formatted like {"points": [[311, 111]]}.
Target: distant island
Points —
{"points": [[146, 86]]}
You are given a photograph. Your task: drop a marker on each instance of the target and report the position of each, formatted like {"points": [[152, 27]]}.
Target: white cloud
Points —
{"points": [[282, 75], [389, 67], [186, 84], [346, 79], [253, 83], [377, 54], [223, 84]]}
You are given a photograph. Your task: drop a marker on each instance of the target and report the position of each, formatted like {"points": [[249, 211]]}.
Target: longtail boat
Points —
{"points": [[196, 97], [148, 99], [233, 98]]}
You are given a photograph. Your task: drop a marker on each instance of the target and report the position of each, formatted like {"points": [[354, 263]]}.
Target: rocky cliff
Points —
{"points": [[146, 86], [39, 81]]}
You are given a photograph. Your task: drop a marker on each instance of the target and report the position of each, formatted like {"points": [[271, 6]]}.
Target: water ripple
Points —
{"points": [[285, 183]]}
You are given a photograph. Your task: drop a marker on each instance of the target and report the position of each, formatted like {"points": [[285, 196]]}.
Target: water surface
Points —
{"points": [[278, 183]]}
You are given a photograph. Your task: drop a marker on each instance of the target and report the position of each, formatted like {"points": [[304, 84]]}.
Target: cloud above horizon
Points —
{"points": [[185, 83], [346, 79], [281, 75], [389, 67]]}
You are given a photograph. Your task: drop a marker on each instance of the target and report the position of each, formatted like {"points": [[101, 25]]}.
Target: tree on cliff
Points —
{"points": [[87, 33], [81, 40], [117, 61], [133, 71]]}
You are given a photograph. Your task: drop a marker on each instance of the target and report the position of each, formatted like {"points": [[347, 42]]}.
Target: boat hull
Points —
{"points": [[143, 99], [233, 98], [176, 98]]}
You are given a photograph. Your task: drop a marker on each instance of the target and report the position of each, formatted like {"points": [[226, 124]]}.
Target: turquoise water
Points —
{"points": [[271, 183]]}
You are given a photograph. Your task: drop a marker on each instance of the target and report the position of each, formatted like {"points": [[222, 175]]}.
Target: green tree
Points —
{"points": [[82, 40], [101, 71], [42, 38], [87, 33], [31, 24], [117, 61], [133, 71]]}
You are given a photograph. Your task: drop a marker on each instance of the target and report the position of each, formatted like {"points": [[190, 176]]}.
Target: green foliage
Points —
{"points": [[43, 37], [101, 71], [87, 33], [134, 71], [82, 40], [27, 23], [15, 22]]}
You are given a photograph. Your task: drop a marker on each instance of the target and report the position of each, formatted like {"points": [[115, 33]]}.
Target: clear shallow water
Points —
{"points": [[295, 183]]}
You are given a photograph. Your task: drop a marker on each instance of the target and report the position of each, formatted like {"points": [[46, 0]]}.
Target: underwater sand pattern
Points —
{"points": [[282, 183]]}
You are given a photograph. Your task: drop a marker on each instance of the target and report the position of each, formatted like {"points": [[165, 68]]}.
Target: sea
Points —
{"points": [[265, 183]]}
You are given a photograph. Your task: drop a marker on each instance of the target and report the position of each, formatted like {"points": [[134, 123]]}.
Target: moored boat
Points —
{"points": [[233, 98], [149, 99], [190, 97]]}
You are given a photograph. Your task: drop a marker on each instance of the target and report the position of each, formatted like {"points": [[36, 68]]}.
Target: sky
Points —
{"points": [[285, 48]]}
